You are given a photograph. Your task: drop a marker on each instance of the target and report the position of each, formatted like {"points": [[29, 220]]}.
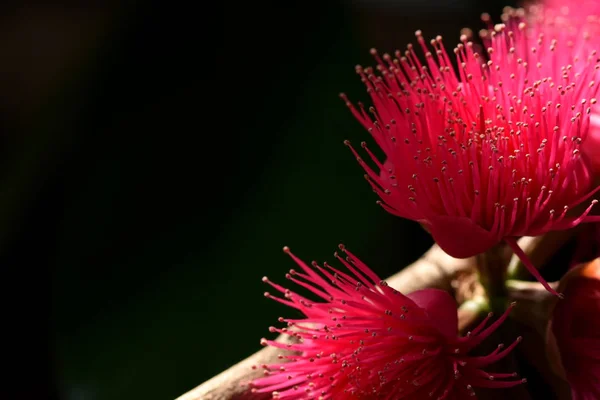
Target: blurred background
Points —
{"points": [[154, 159]]}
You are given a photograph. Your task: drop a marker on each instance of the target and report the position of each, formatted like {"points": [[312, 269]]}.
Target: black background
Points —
{"points": [[155, 158]]}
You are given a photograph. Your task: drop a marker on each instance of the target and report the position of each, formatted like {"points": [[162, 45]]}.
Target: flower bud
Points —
{"points": [[573, 335]]}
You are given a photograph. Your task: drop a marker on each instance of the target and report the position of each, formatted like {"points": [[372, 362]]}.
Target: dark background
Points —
{"points": [[154, 159]]}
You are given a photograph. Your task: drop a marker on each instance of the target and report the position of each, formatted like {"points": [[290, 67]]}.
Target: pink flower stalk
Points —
{"points": [[488, 153], [574, 332], [366, 340]]}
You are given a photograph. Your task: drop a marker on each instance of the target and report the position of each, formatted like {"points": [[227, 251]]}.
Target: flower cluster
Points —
{"points": [[488, 153], [364, 339]]}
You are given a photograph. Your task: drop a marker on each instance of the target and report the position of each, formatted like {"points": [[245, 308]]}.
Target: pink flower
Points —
{"points": [[364, 339], [492, 152], [577, 23], [583, 9], [574, 331]]}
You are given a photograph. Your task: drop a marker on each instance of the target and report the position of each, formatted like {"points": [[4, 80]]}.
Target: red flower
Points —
{"points": [[576, 23], [489, 153], [367, 340], [574, 331]]}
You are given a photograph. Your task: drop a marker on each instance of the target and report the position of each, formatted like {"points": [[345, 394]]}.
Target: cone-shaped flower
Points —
{"points": [[488, 153], [574, 331], [365, 340]]}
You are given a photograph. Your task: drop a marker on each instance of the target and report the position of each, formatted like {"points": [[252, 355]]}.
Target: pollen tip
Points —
{"points": [[342, 247], [347, 142], [594, 201], [466, 32], [512, 304], [265, 279], [561, 296], [524, 380], [519, 339], [286, 249], [263, 342], [373, 51]]}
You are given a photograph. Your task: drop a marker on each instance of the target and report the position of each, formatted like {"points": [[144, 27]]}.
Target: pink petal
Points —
{"points": [[440, 307], [460, 237]]}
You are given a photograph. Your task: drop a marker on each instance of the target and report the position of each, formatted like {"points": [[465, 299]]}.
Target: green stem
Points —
{"points": [[515, 269], [478, 305], [492, 268], [470, 311]]}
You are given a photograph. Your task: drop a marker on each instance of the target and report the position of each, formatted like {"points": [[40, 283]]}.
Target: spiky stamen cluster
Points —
{"points": [[490, 152], [364, 339], [578, 25]]}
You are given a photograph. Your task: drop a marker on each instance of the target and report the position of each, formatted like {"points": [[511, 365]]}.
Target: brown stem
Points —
{"points": [[534, 303], [531, 317]]}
